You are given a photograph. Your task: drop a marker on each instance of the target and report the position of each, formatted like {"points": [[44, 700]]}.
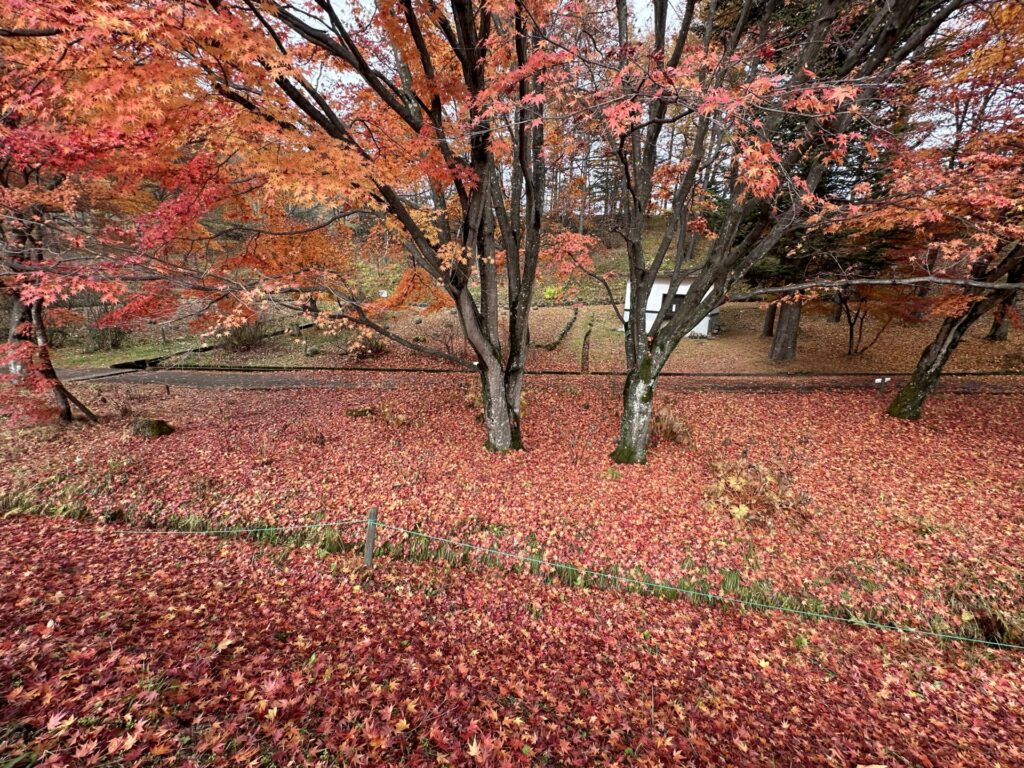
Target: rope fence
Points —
{"points": [[536, 561]]}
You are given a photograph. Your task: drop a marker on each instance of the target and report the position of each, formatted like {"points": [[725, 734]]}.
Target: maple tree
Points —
{"points": [[121, 179], [769, 99], [37, 155], [943, 208], [91, 115], [436, 118], [959, 184]]}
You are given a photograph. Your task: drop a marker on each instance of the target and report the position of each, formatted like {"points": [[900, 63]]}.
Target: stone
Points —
{"points": [[151, 428]]}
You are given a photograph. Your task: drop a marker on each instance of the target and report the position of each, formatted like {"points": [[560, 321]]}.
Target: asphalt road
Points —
{"points": [[386, 379]]}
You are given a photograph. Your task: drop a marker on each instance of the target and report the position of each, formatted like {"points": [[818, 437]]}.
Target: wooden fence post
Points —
{"points": [[371, 538]]}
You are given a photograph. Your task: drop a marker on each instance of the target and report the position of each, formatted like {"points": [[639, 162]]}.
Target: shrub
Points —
{"points": [[367, 344], [246, 337], [101, 338], [61, 324], [105, 339], [671, 428], [756, 493], [450, 337]]}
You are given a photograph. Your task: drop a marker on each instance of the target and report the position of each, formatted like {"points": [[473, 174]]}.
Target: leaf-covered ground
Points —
{"points": [[162, 649], [812, 499]]}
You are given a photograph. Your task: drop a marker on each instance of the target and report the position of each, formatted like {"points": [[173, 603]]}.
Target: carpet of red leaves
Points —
{"points": [[919, 523], [907, 519], [162, 649]]}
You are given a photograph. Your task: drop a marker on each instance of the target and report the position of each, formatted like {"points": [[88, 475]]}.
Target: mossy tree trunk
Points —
{"points": [[637, 404], [909, 401]]}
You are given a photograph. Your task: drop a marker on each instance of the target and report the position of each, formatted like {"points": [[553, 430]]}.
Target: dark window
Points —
{"points": [[676, 301]]}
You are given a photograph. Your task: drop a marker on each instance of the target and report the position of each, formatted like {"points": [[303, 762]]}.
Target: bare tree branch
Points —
{"points": [[831, 285]]}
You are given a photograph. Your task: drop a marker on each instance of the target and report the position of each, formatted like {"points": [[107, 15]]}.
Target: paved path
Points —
{"points": [[227, 379], [385, 379]]}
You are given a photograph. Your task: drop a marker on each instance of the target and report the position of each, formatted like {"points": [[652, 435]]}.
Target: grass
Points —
{"points": [[312, 348], [74, 356], [982, 621]]}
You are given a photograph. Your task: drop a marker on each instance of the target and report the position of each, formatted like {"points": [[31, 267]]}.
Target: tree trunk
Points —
{"points": [[787, 327], [837, 309], [768, 328], [501, 410], [1000, 330], [46, 365], [19, 330], [27, 326], [637, 403], [585, 352], [909, 401]]}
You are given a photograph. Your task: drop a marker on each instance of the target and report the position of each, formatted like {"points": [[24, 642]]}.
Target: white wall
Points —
{"points": [[657, 296]]}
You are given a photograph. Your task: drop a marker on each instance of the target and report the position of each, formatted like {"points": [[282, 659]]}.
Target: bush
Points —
{"points": [[60, 325], [756, 493], [101, 338], [367, 344], [246, 337], [671, 428], [105, 339]]}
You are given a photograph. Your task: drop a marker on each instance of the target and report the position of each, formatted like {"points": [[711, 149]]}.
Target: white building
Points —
{"points": [[659, 295]]}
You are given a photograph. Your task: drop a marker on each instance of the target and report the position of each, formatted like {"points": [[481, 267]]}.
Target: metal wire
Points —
{"points": [[238, 531], [643, 585], [714, 597]]}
